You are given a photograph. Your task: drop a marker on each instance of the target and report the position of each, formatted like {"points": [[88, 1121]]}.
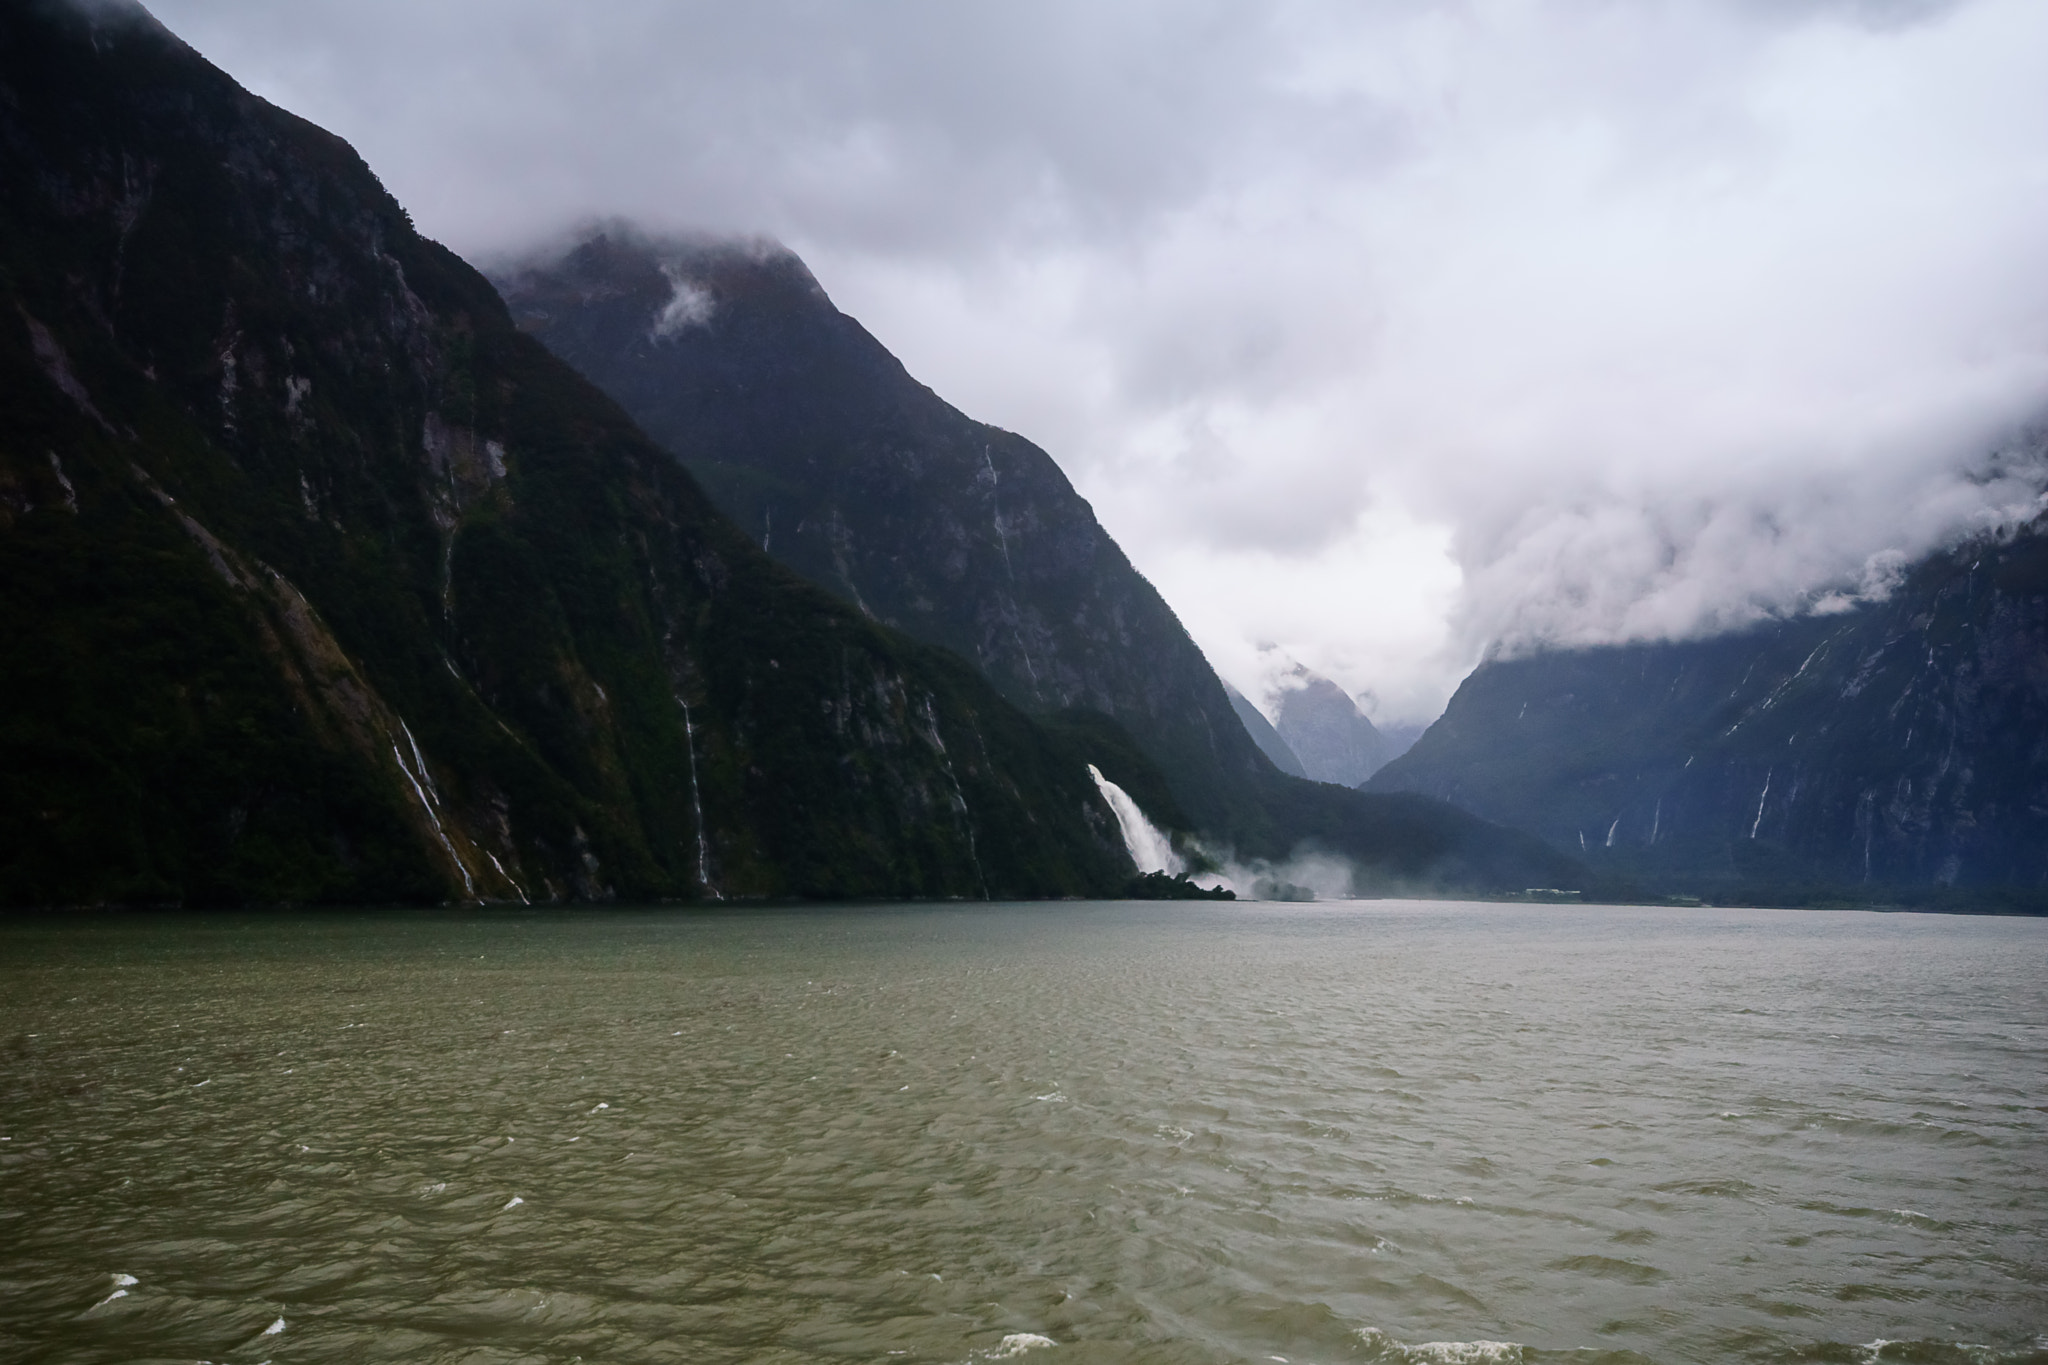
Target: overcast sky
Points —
{"points": [[1374, 332]]}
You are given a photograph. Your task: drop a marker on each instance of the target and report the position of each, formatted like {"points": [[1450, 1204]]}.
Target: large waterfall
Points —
{"points": [[1149, 846]]}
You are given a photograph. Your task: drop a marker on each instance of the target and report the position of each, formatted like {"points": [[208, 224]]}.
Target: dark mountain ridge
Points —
{"points": [[1897, 751], [813, 438], [321, 582]]}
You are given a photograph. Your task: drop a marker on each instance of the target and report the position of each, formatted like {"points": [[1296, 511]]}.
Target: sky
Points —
{"points": [[1380, 335]]}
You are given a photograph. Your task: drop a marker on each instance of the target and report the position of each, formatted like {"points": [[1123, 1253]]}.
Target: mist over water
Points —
{"points": [[1064, 1133]]}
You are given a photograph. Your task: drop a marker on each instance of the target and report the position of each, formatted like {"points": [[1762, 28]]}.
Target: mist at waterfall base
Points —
{"points": [[1306, 875]]}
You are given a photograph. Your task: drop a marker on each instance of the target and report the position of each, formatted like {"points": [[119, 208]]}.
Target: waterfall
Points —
{"points": [[931, 720], [427, 805], [1149, 847], [697, 805]]}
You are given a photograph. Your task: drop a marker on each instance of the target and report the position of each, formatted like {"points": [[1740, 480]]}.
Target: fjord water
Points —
{"points": [[1389, 1131]]}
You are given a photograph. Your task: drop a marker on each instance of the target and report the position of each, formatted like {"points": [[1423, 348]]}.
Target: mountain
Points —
{"points": [[1897, 751], [1335, 740], [1263, 734], [812, 437], [319, 581]]}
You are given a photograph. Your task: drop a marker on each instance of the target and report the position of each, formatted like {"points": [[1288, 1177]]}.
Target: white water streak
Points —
{"points": [[1149, 847], [433, 817], [508, 877], [697, 800]]}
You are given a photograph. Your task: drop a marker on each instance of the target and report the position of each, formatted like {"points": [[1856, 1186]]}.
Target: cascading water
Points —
{"points": [[1150, 849], [430, 800], [697, 805]]}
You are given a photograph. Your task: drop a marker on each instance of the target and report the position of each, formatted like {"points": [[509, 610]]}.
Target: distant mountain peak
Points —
{"points": [[1323, 725]]}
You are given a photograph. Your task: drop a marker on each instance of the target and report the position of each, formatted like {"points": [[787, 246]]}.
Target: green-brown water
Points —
{"points": [[1058, 1133]]}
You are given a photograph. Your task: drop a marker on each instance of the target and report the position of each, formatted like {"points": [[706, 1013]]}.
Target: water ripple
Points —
{"points": [[1061, 1134]]}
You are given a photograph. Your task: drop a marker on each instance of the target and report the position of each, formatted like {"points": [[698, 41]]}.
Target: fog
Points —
{"points": [[1379, 335]]}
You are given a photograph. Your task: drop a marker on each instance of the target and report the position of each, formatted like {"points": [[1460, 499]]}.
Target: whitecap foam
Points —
{"points": [[1443, 1352], [273, 1330], [514, 1202], [1016, 1344]]}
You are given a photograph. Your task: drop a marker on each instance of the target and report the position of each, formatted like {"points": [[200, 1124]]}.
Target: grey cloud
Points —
{"points": [[1653, 317], [900, 127]]}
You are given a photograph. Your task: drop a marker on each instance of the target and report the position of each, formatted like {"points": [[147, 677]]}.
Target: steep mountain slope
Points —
{"points": [[1263, 734], [814, 439], [319, 581], [1897, 750]]}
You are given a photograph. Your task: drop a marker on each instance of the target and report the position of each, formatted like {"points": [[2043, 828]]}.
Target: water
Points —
{"points": [[1052, 1133]]}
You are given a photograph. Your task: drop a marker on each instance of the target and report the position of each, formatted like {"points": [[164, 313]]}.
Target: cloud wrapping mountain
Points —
{"points": [[1381, 333]]}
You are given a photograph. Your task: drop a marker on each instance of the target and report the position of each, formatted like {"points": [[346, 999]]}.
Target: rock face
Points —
{"points": [[1895, 751], [1334, 740], [320, 582], [815, 440]]}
